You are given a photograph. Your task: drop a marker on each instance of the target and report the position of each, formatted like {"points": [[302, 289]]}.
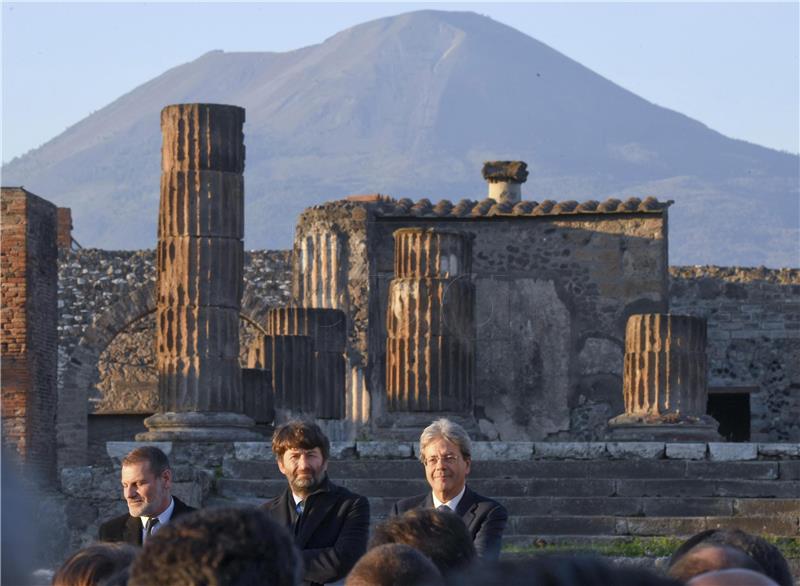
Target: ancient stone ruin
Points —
{"points": [[200, 264]]}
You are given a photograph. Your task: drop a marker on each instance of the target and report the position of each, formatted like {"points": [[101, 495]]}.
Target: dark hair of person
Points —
{"points": [[764, 553], [219, 547], [441, 536], [300, 434], [152, 455], [91, 565], [708, 557], [394, 564], [555, 570]]}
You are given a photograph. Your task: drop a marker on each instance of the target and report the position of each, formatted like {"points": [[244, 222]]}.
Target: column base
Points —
{"points": [[199, 426], [666, 428]]}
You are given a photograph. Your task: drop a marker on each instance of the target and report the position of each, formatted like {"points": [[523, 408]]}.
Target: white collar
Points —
{"points": [[165, 516], [452, 503], [297, 499]]}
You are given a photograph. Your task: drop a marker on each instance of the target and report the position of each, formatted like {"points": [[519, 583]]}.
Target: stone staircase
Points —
{"points": [[578, 493]]}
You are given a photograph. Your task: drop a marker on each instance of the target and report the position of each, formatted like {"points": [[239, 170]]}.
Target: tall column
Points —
{"points": [[430, 350], [200, 260], [665, 379]]}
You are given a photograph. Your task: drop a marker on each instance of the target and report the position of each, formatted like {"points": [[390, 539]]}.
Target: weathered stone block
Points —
{"points": [[687, 451], [775, 450], [343, 450], [253, 451], [384, 449], [498, 450], [569, 450], [648, 450], [732, 451], [77, 481]]}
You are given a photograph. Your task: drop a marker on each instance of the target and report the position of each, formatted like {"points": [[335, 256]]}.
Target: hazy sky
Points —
{"points": [[733, 66]]}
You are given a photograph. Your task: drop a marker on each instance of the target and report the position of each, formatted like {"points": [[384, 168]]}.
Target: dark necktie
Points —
{"points": [[149, 527], [298, 508], [444, 509]]}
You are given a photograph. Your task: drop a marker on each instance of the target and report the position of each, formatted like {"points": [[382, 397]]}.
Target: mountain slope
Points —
{"points": [[411, 106]]}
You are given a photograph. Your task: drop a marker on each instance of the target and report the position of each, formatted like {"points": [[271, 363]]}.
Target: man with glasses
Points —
{"points": [[330, 524], [445, 451]]}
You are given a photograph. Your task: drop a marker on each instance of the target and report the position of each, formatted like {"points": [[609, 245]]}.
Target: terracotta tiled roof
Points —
{"points": [[489, 207]]}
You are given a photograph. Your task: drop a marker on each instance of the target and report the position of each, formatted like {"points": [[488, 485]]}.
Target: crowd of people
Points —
{"points": [[317, 532]]}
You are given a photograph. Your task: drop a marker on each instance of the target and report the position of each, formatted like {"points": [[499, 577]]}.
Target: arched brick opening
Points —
{"points": [[81, 372]]}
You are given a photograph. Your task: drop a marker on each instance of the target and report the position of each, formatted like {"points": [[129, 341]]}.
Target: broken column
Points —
{"points": [[327, 329], [430, 349], [665, 380], [200, 260], [505, 179]]}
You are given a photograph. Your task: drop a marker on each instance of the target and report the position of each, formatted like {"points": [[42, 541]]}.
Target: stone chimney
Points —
{"points": [[505, 179]]}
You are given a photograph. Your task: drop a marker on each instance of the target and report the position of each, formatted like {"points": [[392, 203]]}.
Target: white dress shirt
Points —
{"points": [[452, 503]]}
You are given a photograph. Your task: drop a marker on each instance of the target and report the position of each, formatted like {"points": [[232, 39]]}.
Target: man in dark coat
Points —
{"points": [[330, 524], [146, 486], [445, 451]]}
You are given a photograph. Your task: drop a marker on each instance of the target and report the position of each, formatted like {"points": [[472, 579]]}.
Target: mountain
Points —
{"points": [[411, 106]]}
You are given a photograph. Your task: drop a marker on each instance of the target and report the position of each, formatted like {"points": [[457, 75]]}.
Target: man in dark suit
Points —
{"points": [[330, 524], [146, 486], [445, 451]]}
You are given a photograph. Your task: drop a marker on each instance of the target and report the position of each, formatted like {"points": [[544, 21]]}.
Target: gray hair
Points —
{"points": [[449, 430]]}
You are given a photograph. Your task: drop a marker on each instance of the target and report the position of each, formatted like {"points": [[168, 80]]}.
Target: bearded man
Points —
{"points": [[330, 524], [147, 489]]}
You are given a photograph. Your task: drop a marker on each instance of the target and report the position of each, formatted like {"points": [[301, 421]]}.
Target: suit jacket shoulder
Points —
{"points": [[421, 501], [129, 529], [486, 520]]}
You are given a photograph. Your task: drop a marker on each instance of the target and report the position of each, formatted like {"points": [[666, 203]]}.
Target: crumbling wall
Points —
{"points": [[753, 319], [29, 342]]}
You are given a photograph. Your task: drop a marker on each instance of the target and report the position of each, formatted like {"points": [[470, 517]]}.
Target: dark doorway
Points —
{"points": [[731, 407]]}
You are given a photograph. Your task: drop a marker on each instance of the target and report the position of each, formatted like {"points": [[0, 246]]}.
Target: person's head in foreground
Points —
{"points": [[733, 577], [446, 453], [547, 570], [708, 558], [94, 564], [441, 536], [301, 450], [764, 554], [219, 547], [394, 564]]}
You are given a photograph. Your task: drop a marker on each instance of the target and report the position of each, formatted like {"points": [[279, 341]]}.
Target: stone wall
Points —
{"points": [[29, 342], [753, 338], [106, 332]]}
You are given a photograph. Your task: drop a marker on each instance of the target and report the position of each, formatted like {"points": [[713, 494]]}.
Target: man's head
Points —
{"points": [[446, 453], [394, 564], [442, 536], [146, 481], [766, 555], [302, 451], [707, 558], [732, 577], [94, 564], [219, 547]]}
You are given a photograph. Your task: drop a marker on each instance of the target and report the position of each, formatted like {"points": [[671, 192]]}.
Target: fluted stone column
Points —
{"points": [[200, 260], [289, 359], [665, 379], [430, 350]]}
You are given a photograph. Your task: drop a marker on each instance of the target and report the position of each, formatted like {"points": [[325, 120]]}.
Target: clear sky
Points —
{"points": [[733, 66]]}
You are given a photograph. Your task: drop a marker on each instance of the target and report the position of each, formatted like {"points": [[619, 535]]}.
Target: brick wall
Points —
{"points": [[753, 338], [64, 228], [28, 329]]}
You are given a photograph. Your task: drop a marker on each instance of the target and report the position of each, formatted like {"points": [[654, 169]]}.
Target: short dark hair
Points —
{"points": [[442, 536], [764, 553], [394, 564], [560, 570], [300, 434], [92, 564], [152, 455], [219, 547], [698, 561]]}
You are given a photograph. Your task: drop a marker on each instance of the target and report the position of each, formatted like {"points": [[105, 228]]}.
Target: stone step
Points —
{"points": [[636, 469], [519, 487]]}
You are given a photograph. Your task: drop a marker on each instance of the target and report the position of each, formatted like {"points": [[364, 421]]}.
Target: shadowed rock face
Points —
{"points": [[396, 106]]}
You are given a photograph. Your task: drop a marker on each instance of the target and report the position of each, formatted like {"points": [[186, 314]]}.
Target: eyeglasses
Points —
{"points": [[447, 460]]}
